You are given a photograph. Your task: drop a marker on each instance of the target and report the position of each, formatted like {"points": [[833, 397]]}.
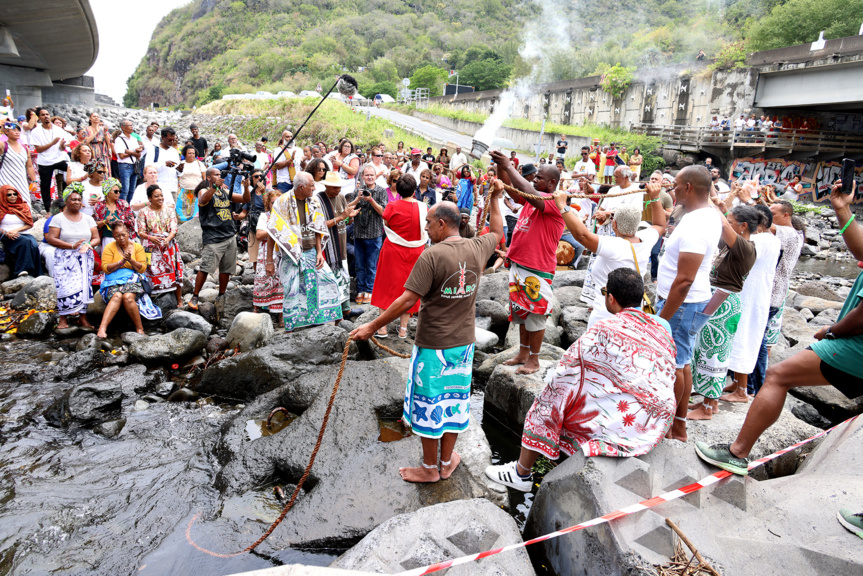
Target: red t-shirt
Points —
{"points": [[535, 238]]}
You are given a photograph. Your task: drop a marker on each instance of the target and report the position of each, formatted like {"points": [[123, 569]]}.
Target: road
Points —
{"points": [[431, 131]]}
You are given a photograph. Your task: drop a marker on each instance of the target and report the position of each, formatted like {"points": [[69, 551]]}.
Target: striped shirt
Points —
{"points": [[14, 171]]}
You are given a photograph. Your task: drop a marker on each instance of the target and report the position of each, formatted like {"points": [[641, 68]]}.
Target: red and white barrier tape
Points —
{"points": [[643, 505]]}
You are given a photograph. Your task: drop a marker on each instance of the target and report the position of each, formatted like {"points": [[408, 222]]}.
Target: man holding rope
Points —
{"points": [[445, 280], [533, 258]]}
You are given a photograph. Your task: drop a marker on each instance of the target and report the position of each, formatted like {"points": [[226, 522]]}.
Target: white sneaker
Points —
{"points": [[506, 474]]}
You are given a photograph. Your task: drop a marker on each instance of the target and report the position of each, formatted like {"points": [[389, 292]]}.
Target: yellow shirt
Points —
{"points": [[112, 254]]}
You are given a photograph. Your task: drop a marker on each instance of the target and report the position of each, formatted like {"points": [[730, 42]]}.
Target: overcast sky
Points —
{"points": [[125, 29]]}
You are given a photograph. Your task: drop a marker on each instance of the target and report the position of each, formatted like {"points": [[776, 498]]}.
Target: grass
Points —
{"points": [[802, 208], [332, 121]]}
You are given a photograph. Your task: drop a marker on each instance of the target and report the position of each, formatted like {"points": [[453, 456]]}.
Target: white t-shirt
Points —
{"points": [[409, 169], [122, 144], [381, 173], [614, 253], [167, 176], [92, 195], [284, 174], [149, 143], [73, 231], [40, 136], [584, 167], [457, 160], [697, 233], [262, 221], [140, 195], [722, 189], [77, 170], [612, 203], [11, 222]]}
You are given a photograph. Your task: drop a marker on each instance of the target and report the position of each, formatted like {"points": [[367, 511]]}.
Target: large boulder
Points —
{"points": [[237, 300], [509, 395], [819, 290], [177, 345], [494, 287], [284, 358], [37, 325], [815, 304], [250, 331], [40, 294], [795, 329], [497, 311], [754, 528], [573, 320], [485, 340], [351, 454], [189, 237], [437, 533], [86, 403], [15, 284], [483, 370], [568, 296], [830, 402], [568, 278], [183, 319]]}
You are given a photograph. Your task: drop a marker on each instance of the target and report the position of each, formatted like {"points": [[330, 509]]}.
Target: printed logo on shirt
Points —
{"points": [[222, 206], [462, 284]]}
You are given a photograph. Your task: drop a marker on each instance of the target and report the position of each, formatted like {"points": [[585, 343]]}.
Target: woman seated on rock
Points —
{"points": [[157, 229], [112, 211], [73, 235], [612, 393], [124, 263], [15, 221]]}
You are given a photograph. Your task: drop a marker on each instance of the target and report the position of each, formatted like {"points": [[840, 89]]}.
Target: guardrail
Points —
{"points": [[789, 139]]}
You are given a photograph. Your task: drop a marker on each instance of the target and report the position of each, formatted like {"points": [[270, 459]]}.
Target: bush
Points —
{"points": [[615, 79], [732, 55]]}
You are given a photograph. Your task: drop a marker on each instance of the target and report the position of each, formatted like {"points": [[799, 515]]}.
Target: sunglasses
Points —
{"points": [[101, 171], [378, 155], [603, 291], [11, 194]]}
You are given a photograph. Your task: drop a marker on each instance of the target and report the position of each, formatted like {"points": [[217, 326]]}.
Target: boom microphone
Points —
{"points": [[347, 86]]}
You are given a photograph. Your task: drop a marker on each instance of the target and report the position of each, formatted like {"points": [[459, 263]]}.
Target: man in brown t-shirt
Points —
{"points": [[445, 279]]}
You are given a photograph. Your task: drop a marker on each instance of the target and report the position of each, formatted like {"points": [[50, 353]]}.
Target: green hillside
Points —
{"points": [[213, 47]]}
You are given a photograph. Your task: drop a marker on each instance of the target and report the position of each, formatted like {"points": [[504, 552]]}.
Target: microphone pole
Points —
{"points": [[348, 80]]}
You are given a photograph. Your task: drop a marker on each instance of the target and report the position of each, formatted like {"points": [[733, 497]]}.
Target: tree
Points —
{"points": [[381, 88], [488, 74], [800, 21], [430, 77]]}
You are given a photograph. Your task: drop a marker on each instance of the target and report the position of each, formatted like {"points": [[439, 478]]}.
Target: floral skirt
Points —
{"points": [[711, 352], [267, 292]]}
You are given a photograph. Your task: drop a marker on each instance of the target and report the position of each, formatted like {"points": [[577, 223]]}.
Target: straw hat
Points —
{"points": [[332, 179]]}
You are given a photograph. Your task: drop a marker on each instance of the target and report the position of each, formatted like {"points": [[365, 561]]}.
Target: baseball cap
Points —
{"points": [[415, 151], [22, 118], [528, 169]]}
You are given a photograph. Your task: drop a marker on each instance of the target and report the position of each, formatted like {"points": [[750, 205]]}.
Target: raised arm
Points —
{"points": [[853, 233], [657, 211], [510, 175]]}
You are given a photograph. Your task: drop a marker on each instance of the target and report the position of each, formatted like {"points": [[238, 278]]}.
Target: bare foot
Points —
{"points": [[739, 395], [518, 359], [63, 324], [731, 387], [101, 334], [446, 471], [419, 474], [701, 412], [531, 366], [141, 332], [678, 430], [84, 323]]}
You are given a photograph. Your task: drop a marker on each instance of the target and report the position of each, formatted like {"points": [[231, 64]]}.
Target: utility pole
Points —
{"points": [[539, 146]]}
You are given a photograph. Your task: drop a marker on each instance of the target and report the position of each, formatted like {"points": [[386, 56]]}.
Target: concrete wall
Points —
{"points": [[31, 87]]}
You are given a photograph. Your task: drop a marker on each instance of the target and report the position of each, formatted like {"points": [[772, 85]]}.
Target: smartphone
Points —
{"points": [[847, 175]]}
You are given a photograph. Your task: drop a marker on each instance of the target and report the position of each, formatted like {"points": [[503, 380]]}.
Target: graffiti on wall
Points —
{"points": [[816, 178]]}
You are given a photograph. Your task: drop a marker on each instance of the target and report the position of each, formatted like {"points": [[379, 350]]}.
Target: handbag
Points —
{"points": [[647, 305], [146, 284]]}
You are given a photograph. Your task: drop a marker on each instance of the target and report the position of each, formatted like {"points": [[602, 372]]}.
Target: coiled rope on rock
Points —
{"points": [[308, 469]]}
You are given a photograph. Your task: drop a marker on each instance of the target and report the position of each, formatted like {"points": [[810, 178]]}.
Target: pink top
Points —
{"points": [[535, 238]]}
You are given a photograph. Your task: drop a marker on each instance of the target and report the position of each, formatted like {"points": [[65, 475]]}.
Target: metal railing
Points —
{"points": [[790, 139]]}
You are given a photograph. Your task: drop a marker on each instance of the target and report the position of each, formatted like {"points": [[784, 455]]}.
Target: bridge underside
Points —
{"points": [[836, 87]]}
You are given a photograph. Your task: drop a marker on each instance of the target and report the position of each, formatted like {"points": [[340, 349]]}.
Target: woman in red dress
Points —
{"points": [[404, 225]]}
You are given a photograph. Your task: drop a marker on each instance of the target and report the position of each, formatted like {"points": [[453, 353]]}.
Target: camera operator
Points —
{"points": [[368, 232], [239, 161], [218, 234]]}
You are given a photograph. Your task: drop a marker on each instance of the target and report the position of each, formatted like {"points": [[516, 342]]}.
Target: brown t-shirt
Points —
{"points": [[446, 277], [307, 239], [732, 265]]}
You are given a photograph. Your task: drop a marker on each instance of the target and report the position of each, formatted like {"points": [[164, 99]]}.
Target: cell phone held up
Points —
{"points": [[848, 165]]}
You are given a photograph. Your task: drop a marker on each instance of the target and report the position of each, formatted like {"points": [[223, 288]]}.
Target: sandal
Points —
{"points": [[403, 332], [379, 335]]}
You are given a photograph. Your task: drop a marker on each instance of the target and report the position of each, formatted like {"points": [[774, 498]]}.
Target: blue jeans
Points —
{"points": [[284, 186], [686, 323], [128, 180], [366, 251], [570, 239], [654, 259], [756, 379]]}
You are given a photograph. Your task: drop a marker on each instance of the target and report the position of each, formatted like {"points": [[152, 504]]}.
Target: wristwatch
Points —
{"points": [[830, 335], [565, 210]]}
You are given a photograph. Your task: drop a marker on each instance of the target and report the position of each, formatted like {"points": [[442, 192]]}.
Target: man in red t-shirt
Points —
{"points": [[513, 159], [532, 255]]}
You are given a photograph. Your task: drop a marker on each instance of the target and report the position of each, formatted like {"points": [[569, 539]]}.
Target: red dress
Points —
{"points": [[396, 262]]}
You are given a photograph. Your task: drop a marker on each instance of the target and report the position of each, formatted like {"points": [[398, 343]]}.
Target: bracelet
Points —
{"points": [[727, 213], [847, 224]]}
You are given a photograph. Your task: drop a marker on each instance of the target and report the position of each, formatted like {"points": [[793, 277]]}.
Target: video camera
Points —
{"points": [[237, 164]]}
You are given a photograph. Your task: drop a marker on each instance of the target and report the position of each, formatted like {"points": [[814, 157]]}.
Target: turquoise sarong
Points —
{"points": [[312, 297]]}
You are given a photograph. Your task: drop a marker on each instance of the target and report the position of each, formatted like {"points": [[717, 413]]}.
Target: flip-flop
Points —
{"points": [[400, 333], [381, 335]]}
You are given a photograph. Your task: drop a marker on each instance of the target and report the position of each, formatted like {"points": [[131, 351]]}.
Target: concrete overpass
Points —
{"points": [[46, 47]]}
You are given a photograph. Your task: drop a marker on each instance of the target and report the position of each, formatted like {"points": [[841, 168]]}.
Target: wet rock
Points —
{"points": [[38, 325], [250, 331], [65, 332], [568, 296], [485, 340], [74, 365], [573, 320], [437, 533], [97, 307], [116, 357], [509, 395], [112, 428], [183, 319], [40, 294], [568, 278], [284, 357], [819, 290], [216, 345], [5, 273], [86, 403], [207, 310], [89, 341], [189, 237], [176, 345], [166, 302], [350, 455], [130, 338], [236, 301], [183, 395], [15, 284]]}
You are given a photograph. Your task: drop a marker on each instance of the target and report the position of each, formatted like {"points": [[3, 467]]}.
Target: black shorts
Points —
{"points": [[849, 385]]}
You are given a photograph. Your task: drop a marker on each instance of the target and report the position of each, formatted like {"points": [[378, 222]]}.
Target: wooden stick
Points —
{"points": [[689, 545]]}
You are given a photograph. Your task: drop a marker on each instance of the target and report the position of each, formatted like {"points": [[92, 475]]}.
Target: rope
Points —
{"points": [[306, 472]]}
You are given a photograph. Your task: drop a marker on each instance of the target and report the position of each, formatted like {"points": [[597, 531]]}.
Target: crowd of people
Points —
{"points": [[412, 233]]}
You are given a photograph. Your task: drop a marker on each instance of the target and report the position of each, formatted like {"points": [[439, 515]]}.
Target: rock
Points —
{"points": [[573, 320], [38, 325], [808, 251], [483, 322], [829, 402], [483, 371], [236, 301], [132, 337], [250, 331], [568, 278], [176, 345], [183, 319], [485, 340], [15, 284], [494, 310], [111, 428], [207, 310], [166, 302], [815, 304], [582, 488], [351, 455], [74, 365], [97, 307], [40, 294], [806, 412], [189, 237], [88, 341], [568, 296], [437, 533], [493, 287], [509, 395], [5, 273], [65, 332], [86, 403], [825, 318], [284, 358], [551, 336], [819, 290], [216, 345], [141, 405], [208, 295], [183, 395], [806, 314], [795, 328]]}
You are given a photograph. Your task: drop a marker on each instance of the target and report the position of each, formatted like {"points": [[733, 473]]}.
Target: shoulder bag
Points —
{"points": [[647, 305]]}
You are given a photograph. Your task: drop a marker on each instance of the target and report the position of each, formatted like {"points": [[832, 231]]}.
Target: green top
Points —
{"points": [[845, 353]]}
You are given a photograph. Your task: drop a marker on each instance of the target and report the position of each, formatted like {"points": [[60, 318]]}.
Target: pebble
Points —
{"points": [[141, 405]]}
